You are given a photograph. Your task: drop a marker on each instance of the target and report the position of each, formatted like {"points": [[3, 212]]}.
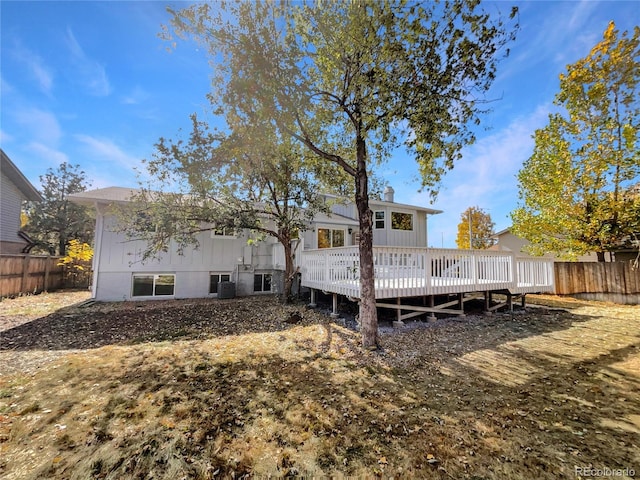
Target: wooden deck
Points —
{"points": [[413, 272]]}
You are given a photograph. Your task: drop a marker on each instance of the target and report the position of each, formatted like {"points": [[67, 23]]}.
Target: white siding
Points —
{"points": [[349, 210], [10, 204], [401, 238], [118, 259]]}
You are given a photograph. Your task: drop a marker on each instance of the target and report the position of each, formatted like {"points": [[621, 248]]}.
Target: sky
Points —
{"points": [[92, 83]]}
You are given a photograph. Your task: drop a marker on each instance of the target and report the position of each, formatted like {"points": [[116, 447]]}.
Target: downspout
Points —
{"points": [[29, 240], [97, 250]]}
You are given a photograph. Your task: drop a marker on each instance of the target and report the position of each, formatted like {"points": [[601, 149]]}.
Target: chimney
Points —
{"points": [[388, 194]]}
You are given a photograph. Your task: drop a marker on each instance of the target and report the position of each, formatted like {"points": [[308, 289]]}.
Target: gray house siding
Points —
{"points": [[417, 237], [10, 205], [255, 268], [14, 189], [117, 261]]}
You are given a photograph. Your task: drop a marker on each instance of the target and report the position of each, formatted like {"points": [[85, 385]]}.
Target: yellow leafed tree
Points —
{"points": [[77, 262]]}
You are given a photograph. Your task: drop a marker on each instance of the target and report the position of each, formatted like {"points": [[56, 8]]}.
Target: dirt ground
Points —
{"points": [[248, 388]]}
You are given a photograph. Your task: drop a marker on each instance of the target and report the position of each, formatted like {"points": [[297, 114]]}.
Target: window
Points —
{"points": [[153, 285], [262, 282], [401, 221], [378, 219], [215, 279], [330, 238], [224, 232], [144, 223]]}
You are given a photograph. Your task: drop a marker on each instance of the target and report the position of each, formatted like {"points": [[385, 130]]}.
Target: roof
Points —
{"points": [[334, 218], [104, 195], [124, 194], [19, 180], [501, 232], [429, 211]]}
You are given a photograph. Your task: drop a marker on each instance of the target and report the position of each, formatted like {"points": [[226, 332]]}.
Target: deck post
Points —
{"points": [[510, 302], [432, 304], [334, 313], [461, 302], [398, 323], [523, 299], [487, 302], [313, 298]]}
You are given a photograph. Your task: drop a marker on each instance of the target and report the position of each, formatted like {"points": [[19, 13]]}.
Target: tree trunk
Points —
{"points": [[288, 271], [62, 246], [368, 312]]}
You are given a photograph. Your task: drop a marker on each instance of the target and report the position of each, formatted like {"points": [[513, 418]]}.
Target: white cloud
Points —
{"points": [[36, 66], [5, 137], [39, 125], [106, 150], [5, 87], [486, 177], [136, 96], [91, 73], [107, 164], [48, 155]]}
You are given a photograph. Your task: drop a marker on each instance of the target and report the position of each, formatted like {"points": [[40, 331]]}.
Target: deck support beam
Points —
{"points": [[399, 323], [313, 298], [488, 300], [416, 310], [432, 304], [461, 301], [334, 304]]}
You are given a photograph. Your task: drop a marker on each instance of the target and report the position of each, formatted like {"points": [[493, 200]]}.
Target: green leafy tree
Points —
{"points": [[53, 222], [352, 82], [576, 189], [475, 229], [247, 179]]}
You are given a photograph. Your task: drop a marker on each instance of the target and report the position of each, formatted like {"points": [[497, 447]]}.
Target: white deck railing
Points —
{"points": [[406, 271]]}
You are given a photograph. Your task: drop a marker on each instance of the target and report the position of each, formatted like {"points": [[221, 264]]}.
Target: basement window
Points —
{"points": [[153, 285], [215, 279], [262, 282]]}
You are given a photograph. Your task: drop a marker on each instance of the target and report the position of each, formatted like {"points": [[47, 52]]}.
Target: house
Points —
{"points": [[14, 190], [120, 274], [508, 242]]}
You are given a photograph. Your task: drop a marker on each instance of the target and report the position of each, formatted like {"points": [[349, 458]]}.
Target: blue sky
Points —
{"points": [[91, 83]]}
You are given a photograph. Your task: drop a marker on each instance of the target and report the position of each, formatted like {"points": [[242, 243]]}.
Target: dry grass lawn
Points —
{"points": [[230, 389]]}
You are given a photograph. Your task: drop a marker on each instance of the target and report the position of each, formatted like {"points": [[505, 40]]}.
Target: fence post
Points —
{"points": [[47, 267], [25, 273]]}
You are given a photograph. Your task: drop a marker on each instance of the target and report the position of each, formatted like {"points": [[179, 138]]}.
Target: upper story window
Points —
{"points": [[144, 223], [378, 219], [401, 221], [224, 232]]}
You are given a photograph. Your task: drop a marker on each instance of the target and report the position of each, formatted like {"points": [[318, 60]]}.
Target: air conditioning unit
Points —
{"points": [[226, 290]]}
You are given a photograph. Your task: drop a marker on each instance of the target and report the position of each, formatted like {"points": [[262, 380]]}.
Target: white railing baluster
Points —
{"points": [[407, 271]]}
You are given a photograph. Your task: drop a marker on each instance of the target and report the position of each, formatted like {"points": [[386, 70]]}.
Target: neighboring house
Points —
{"points": [[119, 273], [14, 190], [508, 242]]}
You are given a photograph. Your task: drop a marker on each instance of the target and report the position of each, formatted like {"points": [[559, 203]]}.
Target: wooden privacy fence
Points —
{"points": [[21, 274], [616, 279]]}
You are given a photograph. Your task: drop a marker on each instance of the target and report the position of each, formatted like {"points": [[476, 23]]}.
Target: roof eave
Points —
{"points": [[18, 179]]}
